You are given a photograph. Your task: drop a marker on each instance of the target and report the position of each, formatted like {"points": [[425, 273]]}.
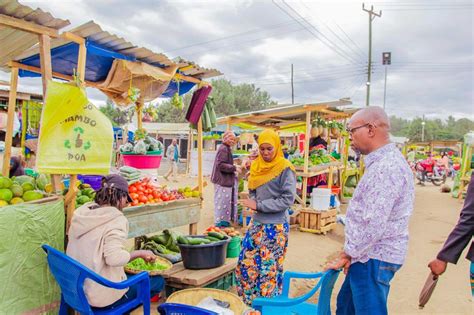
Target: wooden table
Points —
{"points": [[154, 218], [181, 278]]}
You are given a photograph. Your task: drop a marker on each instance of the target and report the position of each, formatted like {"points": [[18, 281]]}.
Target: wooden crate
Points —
{"points": [[319, 222]]}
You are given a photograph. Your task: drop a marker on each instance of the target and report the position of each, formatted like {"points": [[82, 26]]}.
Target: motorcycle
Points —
{"points": [[430, 174]]}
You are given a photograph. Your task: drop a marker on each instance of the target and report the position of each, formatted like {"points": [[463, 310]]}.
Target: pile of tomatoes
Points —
{"points": [[144, 192]]}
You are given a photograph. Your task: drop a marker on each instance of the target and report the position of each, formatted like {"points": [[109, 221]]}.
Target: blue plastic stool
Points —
{"points": [[70, 276], [284, 305]]}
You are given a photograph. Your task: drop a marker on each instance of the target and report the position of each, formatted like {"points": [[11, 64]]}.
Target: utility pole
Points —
{"points": [[386, 60], [423, 129], [292, 87], [372, 16]]}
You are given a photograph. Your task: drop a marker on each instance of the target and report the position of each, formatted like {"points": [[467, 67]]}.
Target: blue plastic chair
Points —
{"points": [[70, 275], [283, 305], [182, 309]]}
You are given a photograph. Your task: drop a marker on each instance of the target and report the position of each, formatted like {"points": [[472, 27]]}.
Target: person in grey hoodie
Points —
{"points": [[272, 190], [97, 237]]}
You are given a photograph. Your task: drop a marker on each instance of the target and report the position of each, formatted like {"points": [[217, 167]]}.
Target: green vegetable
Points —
{"points": [[216, 235], [182, 240], [160, 239], [198, 241], [213, 239], [140, 264]]}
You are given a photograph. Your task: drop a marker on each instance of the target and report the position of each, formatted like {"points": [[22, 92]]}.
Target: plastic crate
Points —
{"points": [[224, 283]]}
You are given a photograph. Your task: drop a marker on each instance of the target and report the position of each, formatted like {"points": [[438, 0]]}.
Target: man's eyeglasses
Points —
{"points": [[351, 130]]}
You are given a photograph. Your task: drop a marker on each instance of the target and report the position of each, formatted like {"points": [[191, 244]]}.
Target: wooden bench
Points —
{"points": [[179, 277]]}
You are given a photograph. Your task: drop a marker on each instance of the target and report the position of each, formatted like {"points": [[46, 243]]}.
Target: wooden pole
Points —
{"points": [[140, 113], [190, 149], [71, 194], [11, 113], [45, 61], [193, 227], [304, 189]]}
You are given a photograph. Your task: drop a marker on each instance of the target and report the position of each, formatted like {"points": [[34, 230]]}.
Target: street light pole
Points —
{"points": [[423, 129], [386, 60]]}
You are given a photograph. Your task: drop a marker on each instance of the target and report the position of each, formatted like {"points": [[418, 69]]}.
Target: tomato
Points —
{"points": [[132, 189], [165, 197], [172, 197], [143, 199], [135, 203], [134, 195], [150, 197], [156, 195], [140, 188]]}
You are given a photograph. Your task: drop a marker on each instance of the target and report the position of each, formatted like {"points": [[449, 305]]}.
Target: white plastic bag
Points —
{"points": [[209, 304]]}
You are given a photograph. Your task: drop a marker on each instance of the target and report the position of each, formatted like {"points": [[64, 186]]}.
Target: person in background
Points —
{"points": [[255, 142], [428, 167], [172, 153], [17, 165], [272, 190], [285, 151], [376, 232], [224, 177], [411, 156], [97, 238], [459, 238]]}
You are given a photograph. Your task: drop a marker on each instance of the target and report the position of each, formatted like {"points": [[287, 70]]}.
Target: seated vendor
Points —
{"points": [[17, 166], [97, 237]]}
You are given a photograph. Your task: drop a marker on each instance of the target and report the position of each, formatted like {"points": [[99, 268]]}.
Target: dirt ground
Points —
{"points": [[434, 215]]}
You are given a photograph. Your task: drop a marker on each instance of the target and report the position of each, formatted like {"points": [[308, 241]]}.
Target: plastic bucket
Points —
{"points": [[233, 249], [321, 199], [205, 256], [142, 161], [334, 189], [94, 180]]}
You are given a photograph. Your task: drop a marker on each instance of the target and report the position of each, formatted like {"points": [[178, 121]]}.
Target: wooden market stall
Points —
{"points": [[291, 117], [104, 61]]}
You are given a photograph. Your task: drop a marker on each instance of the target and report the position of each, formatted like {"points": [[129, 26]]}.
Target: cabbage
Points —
{"points": [[140, 147], [127, 147]]}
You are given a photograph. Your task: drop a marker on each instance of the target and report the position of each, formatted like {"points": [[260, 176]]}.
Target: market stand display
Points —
{"points": [[298, 118]]}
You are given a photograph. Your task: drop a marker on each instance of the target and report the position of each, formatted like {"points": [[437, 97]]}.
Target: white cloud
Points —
{"points": [[255, 42]]}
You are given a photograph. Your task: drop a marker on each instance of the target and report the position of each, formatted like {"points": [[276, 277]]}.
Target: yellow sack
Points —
{"points": [[75, 137]]}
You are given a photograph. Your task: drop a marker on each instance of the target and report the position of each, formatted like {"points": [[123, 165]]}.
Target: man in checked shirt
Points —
{"points": [[377, 217]]}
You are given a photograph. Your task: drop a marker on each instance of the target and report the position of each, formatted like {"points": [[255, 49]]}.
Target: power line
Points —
{"points": [[253, 31], [319, 32], [315, 36], [350, 39], [240, 43], [318, 80], [341, 71], [338, 37]]}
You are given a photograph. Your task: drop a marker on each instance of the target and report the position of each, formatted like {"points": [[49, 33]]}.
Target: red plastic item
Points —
{"points": [[142, 161], [334, 189], [155, 298]]}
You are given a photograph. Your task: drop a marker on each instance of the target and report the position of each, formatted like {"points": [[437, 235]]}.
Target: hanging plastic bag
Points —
{"points": [[75, 137]]}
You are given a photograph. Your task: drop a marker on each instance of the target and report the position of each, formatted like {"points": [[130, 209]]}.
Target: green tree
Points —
{"points": [[119, 117], [229, 99]]}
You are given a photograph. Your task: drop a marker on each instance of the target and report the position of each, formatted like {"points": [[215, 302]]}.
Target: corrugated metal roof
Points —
{"points": [[289, 115], [14, 41], [167, 128], [92, 31]]}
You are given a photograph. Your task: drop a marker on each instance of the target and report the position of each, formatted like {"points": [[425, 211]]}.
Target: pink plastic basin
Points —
{"points": [[142, 161]]}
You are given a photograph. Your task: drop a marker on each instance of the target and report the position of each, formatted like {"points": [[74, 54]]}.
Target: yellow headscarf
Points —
{"points": [[262, 172]]}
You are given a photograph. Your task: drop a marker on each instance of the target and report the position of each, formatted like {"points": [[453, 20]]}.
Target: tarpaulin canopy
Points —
{"points": [[100, 62], [123, 75], [64, 60]]}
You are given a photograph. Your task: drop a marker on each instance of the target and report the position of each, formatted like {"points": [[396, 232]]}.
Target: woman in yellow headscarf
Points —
{"points": [[272, 187]]}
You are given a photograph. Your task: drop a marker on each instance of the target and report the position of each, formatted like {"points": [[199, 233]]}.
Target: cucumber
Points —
{"points": [[216, 235], [213, 239], [198, 241], [182, 240]]}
